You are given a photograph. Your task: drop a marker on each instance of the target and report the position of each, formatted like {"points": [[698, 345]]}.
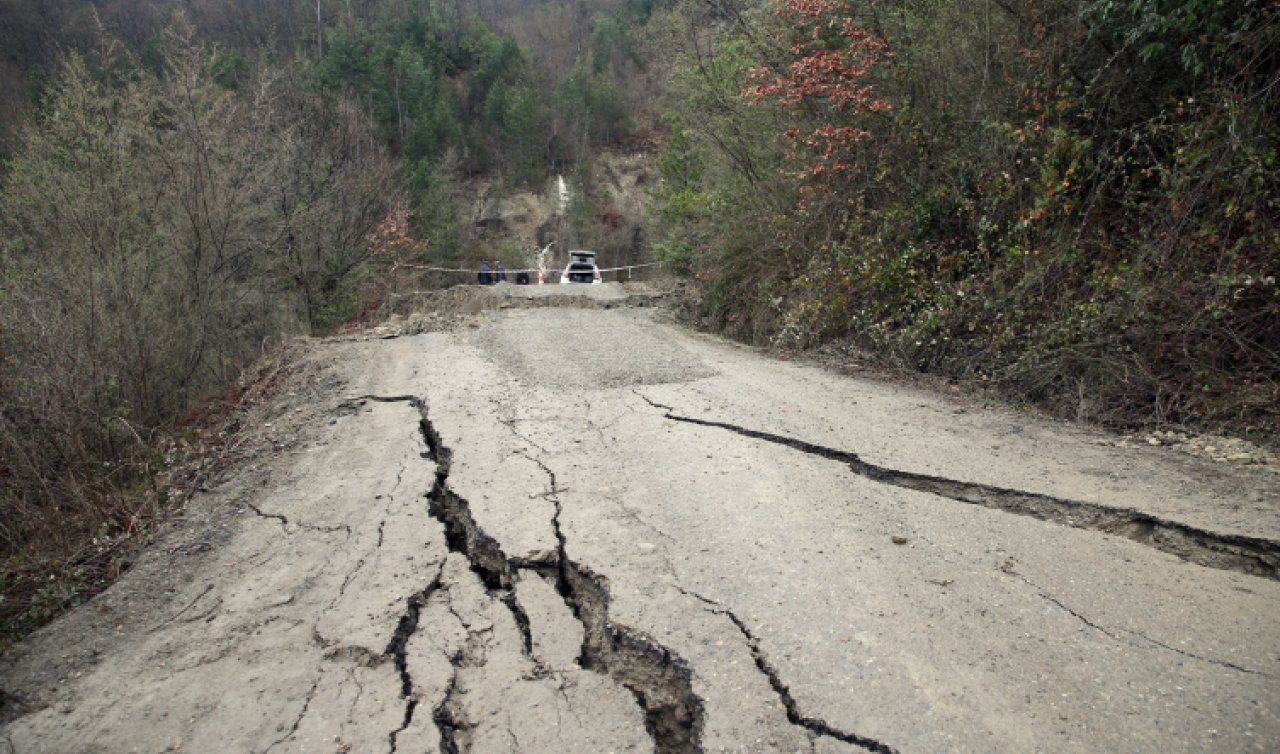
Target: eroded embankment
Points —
{"points": [[658, 679], [1251, 555]]}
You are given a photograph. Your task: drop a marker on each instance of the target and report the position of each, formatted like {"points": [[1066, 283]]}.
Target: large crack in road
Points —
{"points": [[816, 726], [374, 589], [397, 649], [660, 681], [538, 585], [1254, 556]]}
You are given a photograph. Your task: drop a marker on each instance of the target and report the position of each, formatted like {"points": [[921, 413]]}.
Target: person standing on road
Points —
{"points": [[485, 278], [501, 275]]}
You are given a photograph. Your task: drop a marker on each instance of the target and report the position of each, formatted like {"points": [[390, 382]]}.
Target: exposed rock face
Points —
{"points": [[502, 217]]}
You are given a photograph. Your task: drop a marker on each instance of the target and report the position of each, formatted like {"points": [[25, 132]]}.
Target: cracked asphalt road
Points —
{"points": [[575, 530]]}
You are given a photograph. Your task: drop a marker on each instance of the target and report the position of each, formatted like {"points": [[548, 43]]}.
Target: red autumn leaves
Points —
{"points": [[827, 83], [391, 239]]}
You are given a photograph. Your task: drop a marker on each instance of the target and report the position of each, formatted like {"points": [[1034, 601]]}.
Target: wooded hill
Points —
{"points": [[1072, 202], [188, 183]]}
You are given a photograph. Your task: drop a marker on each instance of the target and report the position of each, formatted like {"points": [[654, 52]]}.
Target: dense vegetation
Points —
{"points": [[158, 230], [187, 183], [1072, 201]]}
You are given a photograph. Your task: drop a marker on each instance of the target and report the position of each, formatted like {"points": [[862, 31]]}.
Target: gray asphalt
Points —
{"points": [[568, 529]]}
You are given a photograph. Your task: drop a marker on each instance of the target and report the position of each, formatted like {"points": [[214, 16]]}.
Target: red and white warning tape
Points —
{"points": [[514, 271]]}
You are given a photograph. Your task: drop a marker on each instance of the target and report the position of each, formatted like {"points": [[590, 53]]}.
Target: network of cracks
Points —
{"points": [[659, 680]]}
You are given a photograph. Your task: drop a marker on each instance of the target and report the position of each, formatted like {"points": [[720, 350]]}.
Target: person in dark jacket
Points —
{"points": [[522, 277], [485, 277]]}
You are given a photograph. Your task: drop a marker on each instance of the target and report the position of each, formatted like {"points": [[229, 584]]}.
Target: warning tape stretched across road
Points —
{"points": [[630, 267], [513, 271]]}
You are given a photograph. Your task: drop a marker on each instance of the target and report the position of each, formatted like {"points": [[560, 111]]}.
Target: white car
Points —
{"points": [[581, 269]]}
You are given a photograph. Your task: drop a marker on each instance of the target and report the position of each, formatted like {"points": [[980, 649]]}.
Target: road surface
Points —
{"points": [[582, 530]]}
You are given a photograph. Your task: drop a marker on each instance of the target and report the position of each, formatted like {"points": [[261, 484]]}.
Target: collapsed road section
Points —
{"points": [[1250, 555], [734, 590], [658, 679]]}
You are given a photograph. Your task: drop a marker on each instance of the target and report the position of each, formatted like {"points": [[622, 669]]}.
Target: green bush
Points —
{"points": [[1077, 205]]}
